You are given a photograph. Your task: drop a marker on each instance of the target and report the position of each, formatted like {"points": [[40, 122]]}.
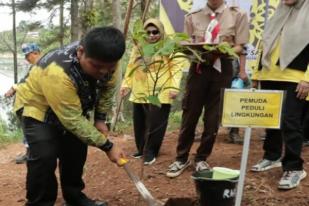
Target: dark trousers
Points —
{"points": [[20, 119], [150, 123], [47, 144], [203, 90], [306, 122], [291, 132]]}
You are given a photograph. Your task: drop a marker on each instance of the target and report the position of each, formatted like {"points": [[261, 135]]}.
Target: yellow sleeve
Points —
{"points": [[106, 99], [176, 67], [127, 80], [61, 95], [306, 76]]}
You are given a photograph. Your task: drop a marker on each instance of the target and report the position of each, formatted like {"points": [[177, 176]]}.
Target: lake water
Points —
{"points": [[7, 78], [6, 72]]}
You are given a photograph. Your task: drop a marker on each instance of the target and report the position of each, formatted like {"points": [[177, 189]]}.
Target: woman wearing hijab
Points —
{"points": [[284, 66], [150, 122]]}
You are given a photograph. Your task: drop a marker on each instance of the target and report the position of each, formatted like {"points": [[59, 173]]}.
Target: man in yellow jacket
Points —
{"points": [[60, 91]]}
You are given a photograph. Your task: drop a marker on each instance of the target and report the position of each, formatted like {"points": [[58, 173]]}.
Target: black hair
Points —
{"points": [[104, 44]]}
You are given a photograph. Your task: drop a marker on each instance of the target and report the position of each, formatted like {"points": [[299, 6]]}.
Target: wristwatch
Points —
{"points": [[107, 146]]}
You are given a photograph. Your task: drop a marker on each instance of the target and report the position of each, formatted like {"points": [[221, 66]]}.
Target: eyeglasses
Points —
{"points": [[153, 32]]}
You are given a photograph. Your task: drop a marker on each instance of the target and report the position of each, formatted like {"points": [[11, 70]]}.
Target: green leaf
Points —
{"points": [[139, 34], [178, 37], [196, 54], [149, 50], [154, 100], [167, 48], [209, 47], [225, 48]]}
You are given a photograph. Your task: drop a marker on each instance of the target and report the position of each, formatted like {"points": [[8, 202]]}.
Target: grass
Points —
{"points": [[8, 136]]}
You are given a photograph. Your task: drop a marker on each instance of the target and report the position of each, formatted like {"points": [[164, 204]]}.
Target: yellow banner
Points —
{"points": [[252, 108]]}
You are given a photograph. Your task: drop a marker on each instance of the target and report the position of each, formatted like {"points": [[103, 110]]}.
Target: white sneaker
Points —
{"points": [[176, 168], [202, 166], [291, 179], [266, 164]]}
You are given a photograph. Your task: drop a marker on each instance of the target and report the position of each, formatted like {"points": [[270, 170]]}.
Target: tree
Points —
{"points": [[61, 23], [88, 17], [14, 42], [145, 4], [116, 11], [74, 20], [118, 108], [30, 5], [13, 48]]}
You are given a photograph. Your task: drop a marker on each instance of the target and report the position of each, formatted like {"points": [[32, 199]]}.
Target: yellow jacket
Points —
{"points": [[274, 73], [166, 75], [51, 87], [19, 101]]}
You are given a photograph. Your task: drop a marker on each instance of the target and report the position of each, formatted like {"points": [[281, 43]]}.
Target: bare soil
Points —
{"points": [[106, 181]]}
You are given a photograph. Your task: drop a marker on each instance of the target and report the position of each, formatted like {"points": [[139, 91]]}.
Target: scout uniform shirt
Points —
{"points": [[234, 26]]}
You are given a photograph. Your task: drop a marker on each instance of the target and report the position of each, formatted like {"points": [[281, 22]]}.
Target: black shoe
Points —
{"points": [[149, 160], [235, 138], [137, 155], [85, 201]]}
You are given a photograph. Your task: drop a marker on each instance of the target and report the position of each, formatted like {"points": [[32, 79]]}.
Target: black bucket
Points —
{"points": [[181, 202], [213, 192]]}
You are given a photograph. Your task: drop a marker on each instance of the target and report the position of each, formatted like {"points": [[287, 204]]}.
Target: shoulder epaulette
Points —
{"points": [[195, 11], [234, 8]]}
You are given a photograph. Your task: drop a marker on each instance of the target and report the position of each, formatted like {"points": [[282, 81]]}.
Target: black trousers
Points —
{"points": [[291, 132], [150, 123], [203, 90], [20, 119], [306, 122], [47, 144]]}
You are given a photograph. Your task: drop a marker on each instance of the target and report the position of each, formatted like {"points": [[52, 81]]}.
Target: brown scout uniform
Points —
{"points": [[234, 26], [203, 88]]}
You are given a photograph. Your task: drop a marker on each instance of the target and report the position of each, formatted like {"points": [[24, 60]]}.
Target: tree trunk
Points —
{"points": [[61, 23], [74, 20], [87, 6], [117, 110], [128, 17], [146, 9], [116, 12], [143, 5], [14, 42]]}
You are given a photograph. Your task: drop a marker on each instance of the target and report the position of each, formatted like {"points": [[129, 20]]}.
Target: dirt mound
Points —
{"points": [[106, 181]]}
